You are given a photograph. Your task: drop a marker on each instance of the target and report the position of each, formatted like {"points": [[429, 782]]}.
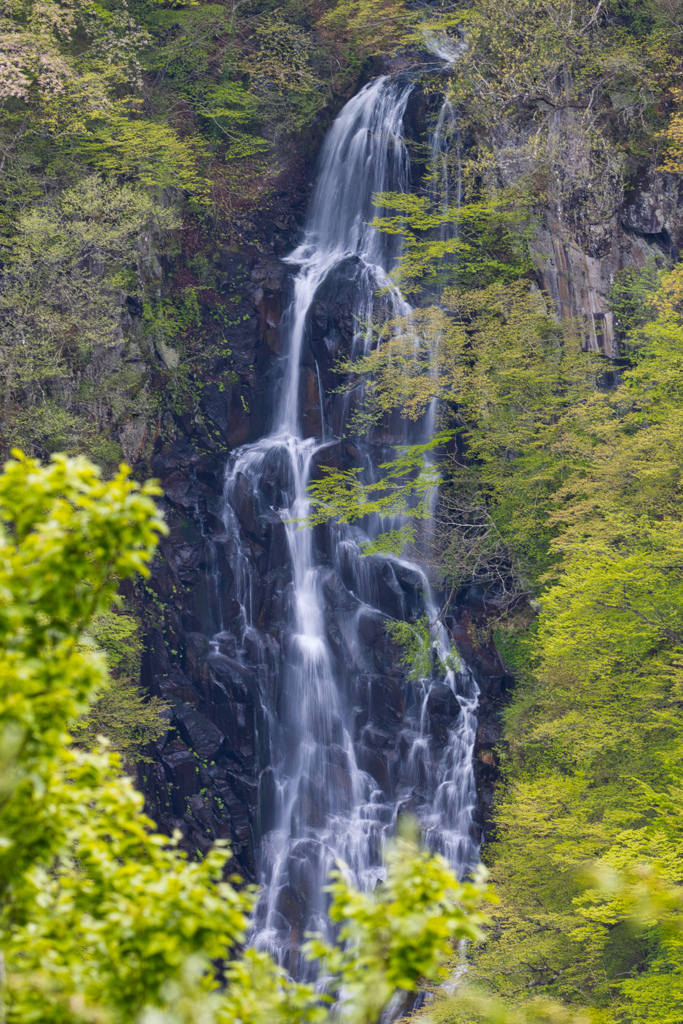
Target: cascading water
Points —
{"points": [[326, 792], [446, 138]]}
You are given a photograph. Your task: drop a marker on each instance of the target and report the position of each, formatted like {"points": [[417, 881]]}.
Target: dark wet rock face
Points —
{"points": [[443, 710]]}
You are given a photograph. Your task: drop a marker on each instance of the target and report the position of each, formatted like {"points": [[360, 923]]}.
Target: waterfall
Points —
{"points": [[334, 779]]}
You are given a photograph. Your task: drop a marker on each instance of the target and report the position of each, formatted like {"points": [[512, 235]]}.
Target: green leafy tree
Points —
{"points": [[102, 919], [486, 236], [392, 939], [593, 733], [65, 381], [120, 712]]}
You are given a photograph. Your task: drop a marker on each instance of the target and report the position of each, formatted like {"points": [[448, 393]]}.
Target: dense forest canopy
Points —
{"points": [[139, 143]]}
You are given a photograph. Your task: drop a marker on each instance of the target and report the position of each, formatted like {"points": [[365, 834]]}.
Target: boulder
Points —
{"points": [[375, 764], [199, 733], [386, 700], [182, 771], [443, 710]]}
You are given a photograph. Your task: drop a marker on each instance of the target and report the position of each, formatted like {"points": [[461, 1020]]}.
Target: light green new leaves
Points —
{"points": [[117, 922], [67, 537], [400, 934], [487, 243], [595, 733], [101, 918], [103, 921], [404, 488]]}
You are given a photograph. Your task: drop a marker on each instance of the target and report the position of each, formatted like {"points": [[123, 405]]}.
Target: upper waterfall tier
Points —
{"points": [[363, 154]]}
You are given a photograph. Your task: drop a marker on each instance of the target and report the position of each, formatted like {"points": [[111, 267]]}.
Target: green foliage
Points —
{"points": [[102, 919], [387, 948], [148, 153], [419, 649], [120, 712], [234, 111], [631, 297], [514, 639], [123, 716], [67, 537], [405, 489], [486, 237], [526, 47], [285, 82], [391, 542], [360, 29], [415, 641], [117, 126], [66, 267], [513, 378], [568, 96], [594, 735], [471, 1007], [119, 635]]}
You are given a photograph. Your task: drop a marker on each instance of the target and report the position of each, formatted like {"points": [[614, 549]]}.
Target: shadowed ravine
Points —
{"points": [[346, 745]]}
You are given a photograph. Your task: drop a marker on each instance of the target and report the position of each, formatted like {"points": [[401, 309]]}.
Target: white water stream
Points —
{"points": [[321, 806]]}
